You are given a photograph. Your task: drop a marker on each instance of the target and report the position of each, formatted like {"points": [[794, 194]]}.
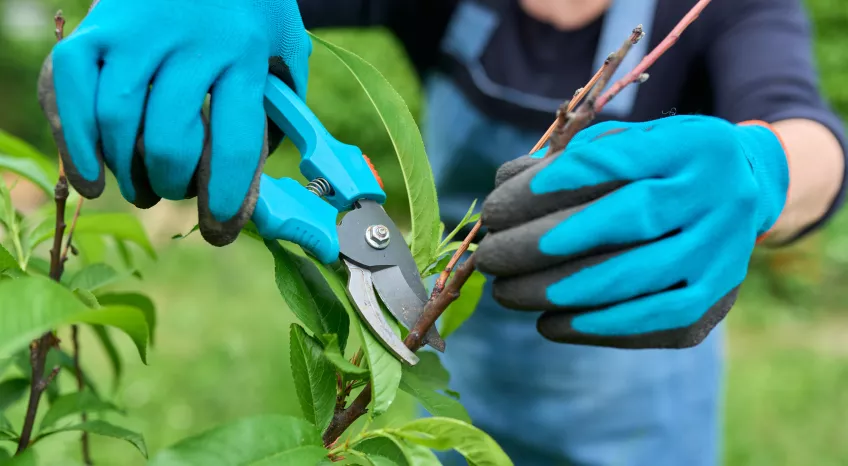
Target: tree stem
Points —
{"points": [[86, 451]]}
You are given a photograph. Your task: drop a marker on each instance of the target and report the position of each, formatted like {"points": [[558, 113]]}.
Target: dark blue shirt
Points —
{"points": [[741, 60]]}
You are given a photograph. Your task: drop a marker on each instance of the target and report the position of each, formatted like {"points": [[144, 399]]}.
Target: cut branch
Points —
{"points": [[570, 124]]}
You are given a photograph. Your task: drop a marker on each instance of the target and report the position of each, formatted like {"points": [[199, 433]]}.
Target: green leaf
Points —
{"points": [[307, 294], [127, 258], [409, 148], [265, 440], [65, 360], [314, 378], [460, 310], [434, 402], [107, 430], [436, 267], [93, 276], [121, 226], [12, 146], [92, 248], [28, 169], [111, 352], [34, 305], [423, 381], [87, 298], [8, 262], [334, 355], [38, 265], [11, 391], [385, 371], [74, 403], [4, 455], [397, 450], [27, 458], [384, 368], [443, 433], [184, 235], [385, 446], [136, 300], [465, 220], [453, 246]]}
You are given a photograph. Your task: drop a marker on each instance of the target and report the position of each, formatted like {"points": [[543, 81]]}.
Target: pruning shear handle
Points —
{"points": [[367, 241]]}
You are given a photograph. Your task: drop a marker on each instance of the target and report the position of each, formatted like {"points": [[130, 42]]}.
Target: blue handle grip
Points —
{"points": [[286, 210], [322, 156]]}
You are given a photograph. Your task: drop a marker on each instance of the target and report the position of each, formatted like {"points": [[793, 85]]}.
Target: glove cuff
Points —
{"points": [[770, 161]]}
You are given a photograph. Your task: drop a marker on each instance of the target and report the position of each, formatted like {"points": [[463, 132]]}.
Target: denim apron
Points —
{"points": [[547, 403]]}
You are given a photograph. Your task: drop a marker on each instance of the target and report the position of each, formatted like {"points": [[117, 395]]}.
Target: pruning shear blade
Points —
{"points": [[382, 261]]}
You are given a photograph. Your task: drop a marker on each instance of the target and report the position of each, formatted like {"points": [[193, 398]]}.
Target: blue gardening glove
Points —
{"points": [[96, 91], [637, 235]]}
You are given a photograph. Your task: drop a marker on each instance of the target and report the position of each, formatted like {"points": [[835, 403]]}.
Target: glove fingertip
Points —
{"points": [[214, 231], [87, 188]]}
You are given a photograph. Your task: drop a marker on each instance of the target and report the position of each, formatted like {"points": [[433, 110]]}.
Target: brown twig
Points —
{"points": [[561, 131], [39, 348], [637, 73], [572, 123], [578, 96], [86, 451], [68, 243], [443, 277]]}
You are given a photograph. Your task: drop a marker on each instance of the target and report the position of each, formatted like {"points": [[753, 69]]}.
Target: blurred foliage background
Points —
{"points": [[222, 342]]}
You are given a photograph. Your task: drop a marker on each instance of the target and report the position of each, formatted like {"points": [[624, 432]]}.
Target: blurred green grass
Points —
{"points": [[222, 340]]}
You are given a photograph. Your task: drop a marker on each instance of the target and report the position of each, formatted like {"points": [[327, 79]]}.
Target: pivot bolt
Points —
{"points": [[377, 236]]}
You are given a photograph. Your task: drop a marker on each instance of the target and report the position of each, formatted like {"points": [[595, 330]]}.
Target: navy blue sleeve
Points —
{"points": [[418, 24], [762, 66]]}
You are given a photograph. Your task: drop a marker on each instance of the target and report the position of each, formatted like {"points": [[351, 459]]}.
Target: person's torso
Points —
{"points": [[519, 70], [503, 74]]}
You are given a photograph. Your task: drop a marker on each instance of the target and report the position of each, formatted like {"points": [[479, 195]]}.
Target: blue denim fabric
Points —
{"points": [[551, 404]]}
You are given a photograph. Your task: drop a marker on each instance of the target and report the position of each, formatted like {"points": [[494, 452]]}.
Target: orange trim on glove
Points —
{"points": [[771, 128]]}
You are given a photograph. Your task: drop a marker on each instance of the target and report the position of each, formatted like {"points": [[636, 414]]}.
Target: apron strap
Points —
{"points": [[621, 18], [475, 21]]}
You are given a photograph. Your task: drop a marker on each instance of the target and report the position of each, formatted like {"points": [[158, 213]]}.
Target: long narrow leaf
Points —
{"points": [[106, 429], [34, 305], [409, 148]]}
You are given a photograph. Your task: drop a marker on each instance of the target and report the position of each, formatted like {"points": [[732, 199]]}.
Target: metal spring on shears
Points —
{"points": [[320, 187]]}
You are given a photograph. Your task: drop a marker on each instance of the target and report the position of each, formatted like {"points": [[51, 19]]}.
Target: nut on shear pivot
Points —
{"points": [[377, 236]]}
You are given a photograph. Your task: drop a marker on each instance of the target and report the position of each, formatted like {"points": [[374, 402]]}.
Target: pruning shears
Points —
{"points": [[369, 245]]}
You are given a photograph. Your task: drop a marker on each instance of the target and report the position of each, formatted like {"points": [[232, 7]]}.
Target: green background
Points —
{"points": [[222, 340]]}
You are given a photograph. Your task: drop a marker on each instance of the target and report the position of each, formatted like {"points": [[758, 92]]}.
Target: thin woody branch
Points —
{"points": [[40, 347], [637, 73], [572, 123]]}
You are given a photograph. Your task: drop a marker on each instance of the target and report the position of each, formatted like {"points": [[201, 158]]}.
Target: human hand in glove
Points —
{"points": [[143, 68], [637, 235]]}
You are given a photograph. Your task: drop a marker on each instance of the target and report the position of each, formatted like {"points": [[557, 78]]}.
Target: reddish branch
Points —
{"points": [[636, 73], [443, 277], [569, 124]]}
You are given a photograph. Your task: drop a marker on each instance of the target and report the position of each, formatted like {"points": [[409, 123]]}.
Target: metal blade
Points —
{"points": [[399, 282], [360, 289], [403, 302]]}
